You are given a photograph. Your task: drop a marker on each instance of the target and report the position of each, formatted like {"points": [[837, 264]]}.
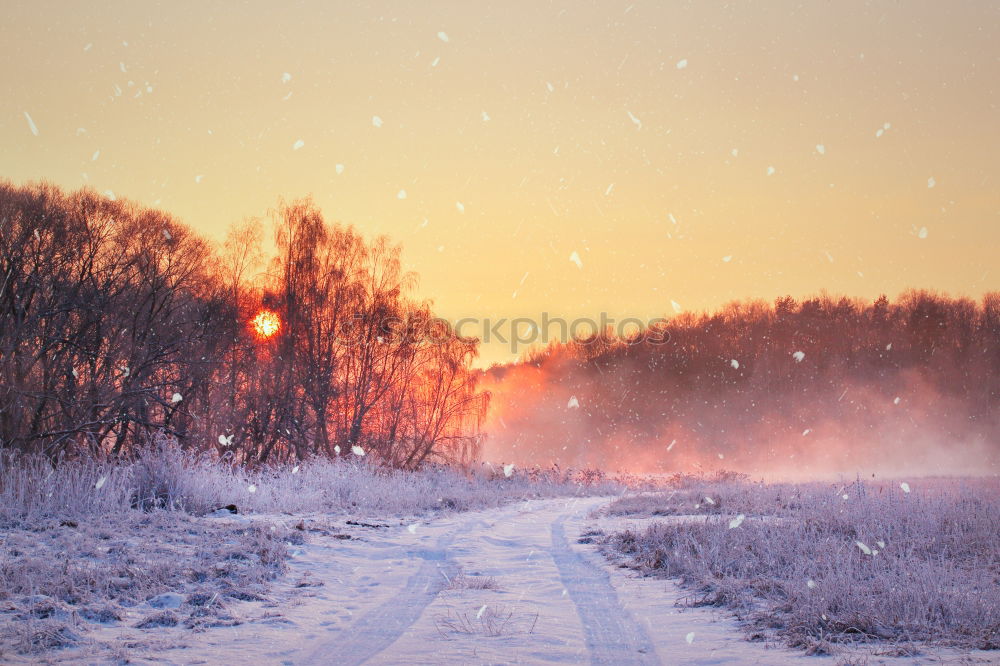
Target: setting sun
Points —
{"points": [[266, 324]]}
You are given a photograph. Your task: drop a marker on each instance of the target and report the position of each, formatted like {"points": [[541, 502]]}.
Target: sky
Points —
{"points": [[564, 157]]}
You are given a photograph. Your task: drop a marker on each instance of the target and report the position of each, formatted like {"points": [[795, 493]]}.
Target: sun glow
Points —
{"points": [[266, 324]]}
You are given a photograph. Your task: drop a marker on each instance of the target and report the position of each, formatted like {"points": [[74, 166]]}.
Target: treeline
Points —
{"points": [[119, 324], [821, 381]]}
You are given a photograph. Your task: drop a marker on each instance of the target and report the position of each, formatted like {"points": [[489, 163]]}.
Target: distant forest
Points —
{"points": [[118, 324], [791, 384]]}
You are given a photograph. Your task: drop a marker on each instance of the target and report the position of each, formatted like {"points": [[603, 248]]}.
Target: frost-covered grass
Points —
{"points": [[819, 564], [57, 577], [86, 542], [165, 477]]}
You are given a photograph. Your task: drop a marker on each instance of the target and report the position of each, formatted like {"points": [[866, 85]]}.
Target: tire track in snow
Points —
{"points": [[611, 634], [382, 626]]}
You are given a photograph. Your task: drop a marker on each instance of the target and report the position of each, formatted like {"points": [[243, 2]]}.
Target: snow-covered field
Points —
{"points": [[345, 563]]}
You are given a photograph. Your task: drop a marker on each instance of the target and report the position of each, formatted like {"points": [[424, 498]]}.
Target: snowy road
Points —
{"points": [[415, 594], [526, 550]]}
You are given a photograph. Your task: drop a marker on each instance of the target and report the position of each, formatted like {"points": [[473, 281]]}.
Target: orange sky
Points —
{"points": [[560, 127]]}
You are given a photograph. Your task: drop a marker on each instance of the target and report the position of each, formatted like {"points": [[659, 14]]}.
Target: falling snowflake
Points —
{"points": [[197, 179], [376, 121], [298, 144], [922, 234], [770, 171], [460, 207], [286, 77], [682, 63], [735, 364], [357, 450], [737, 521], [931, 182], [550, 86], [905, 487], [676, 306], [401, 194], [864, 549], [799, 356], [636, 121], [176, 397], [575, 258], [573, 403], [726, 259], [443, 36], [486, 117], [412, 528], [97, 153], [508, 469], [31, 123], [295, 470], [710, 501], [806, 431], [100, 483], [671, 445], [811, 584], [339, 168], [689, 638], [821, 149], [896, 400], [336, 449], [166, 234], [252, 488]]}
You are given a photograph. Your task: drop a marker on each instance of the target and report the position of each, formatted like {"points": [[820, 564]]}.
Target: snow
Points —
{"points": [[575, 258], [931, 182], [821, 149], [31, 123], [100, 483], [357, 450], [905, 487], [799, 356], [676, 306], [376, 121], [382, 596], [922, 234], [401, 194], [682, 63], [286, 77], [339, 169], [298, 144], [636, 121], [735, 364], [460, 206], [176, 397], [737, 521], [770, 171], [443, 37], [573, 403]]}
